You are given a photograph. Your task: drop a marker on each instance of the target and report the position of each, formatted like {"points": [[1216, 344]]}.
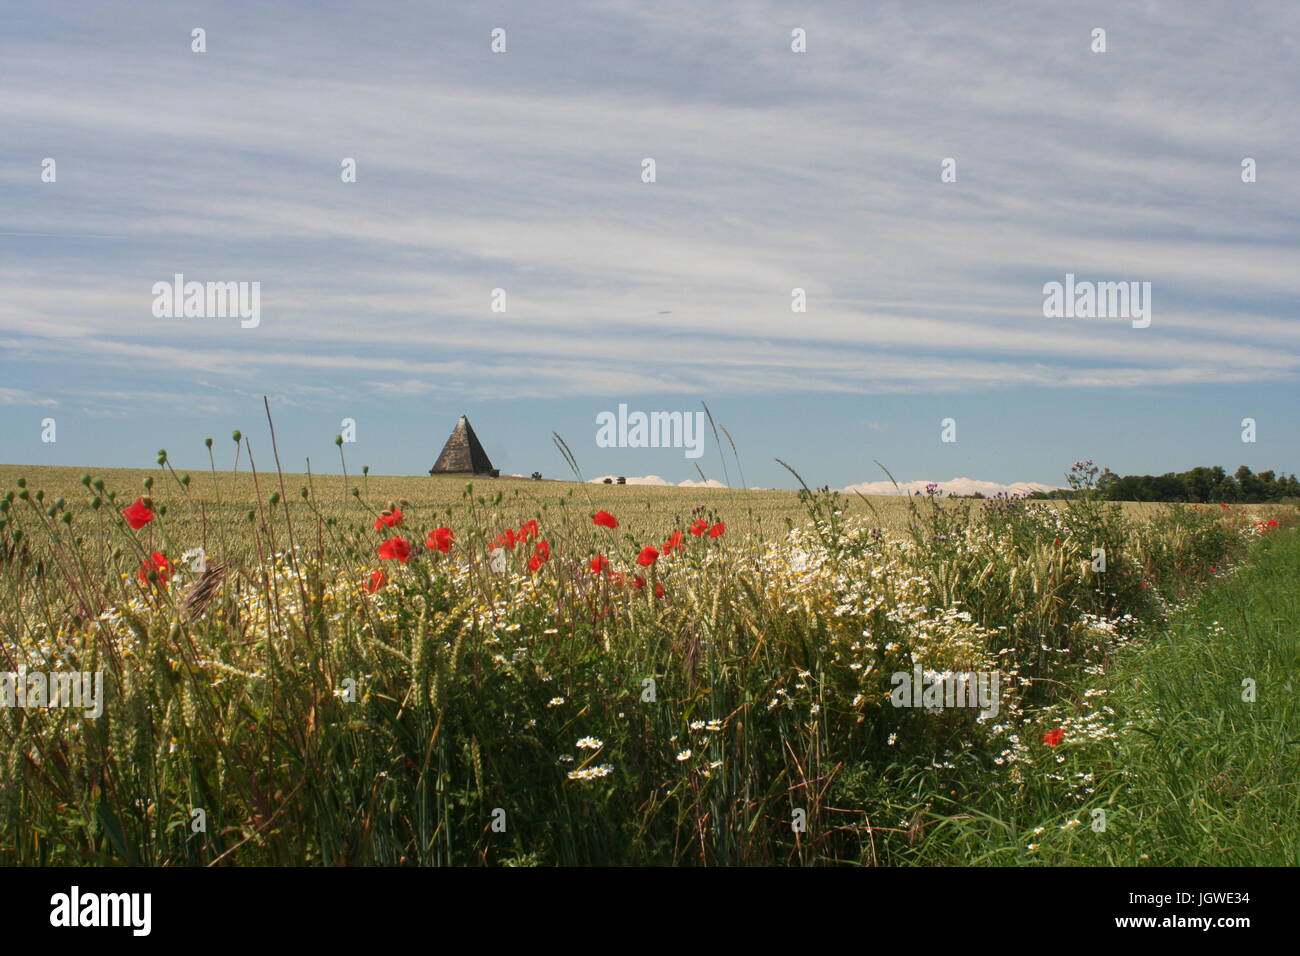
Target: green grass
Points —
{"points": [[1186, 771], [1213, 779]]}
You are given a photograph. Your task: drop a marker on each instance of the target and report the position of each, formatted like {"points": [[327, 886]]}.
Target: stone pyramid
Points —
{"points": [[463, 455]]}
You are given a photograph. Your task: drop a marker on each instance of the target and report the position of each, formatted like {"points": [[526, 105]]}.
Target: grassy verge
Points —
{"points": [[1186, 768]]}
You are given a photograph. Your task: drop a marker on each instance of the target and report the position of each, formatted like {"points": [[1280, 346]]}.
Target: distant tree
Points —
{"points": [[1199, 484], [1251, 487]]}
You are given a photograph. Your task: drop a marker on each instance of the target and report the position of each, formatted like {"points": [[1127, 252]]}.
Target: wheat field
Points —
{"points": [[506, 672]]}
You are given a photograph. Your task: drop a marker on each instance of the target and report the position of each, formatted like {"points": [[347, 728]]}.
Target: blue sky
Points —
{"points": [[775, 171]]}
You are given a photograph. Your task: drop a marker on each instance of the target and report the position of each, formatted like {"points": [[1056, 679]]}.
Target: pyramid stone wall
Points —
{"points": [[463, 454]]}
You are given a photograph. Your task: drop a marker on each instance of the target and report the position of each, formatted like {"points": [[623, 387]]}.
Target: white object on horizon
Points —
{"points": [[656, 480], [954, 486]]}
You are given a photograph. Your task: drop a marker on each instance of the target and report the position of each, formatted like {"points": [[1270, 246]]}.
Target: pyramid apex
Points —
{"points": [[462, 454]]}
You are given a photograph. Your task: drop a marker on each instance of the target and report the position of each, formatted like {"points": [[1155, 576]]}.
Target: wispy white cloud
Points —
{"points": [[775, 171], [17, 396]]}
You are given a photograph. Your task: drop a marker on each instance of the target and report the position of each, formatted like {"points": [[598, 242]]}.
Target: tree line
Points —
{"points": [[1202, 485]]}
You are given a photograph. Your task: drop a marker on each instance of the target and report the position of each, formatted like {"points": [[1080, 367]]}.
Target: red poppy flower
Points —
{"points": [[1214, 570], [699, 527], [718, 530], [638, 582], [674, 543], [647, 557], [138, 515], [389, 519], [599, 563], [541, 554], [1272, 523], [158, 563], [1056, 543], [528, 531], [395, 549], [1053, 737], [604, 519], [375, 581], [506, 539], [440, 540], [659, 589]]}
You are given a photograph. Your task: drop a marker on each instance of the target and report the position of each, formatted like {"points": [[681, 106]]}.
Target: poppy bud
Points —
{"points": [[96, 503], [250, 517], [338, 440], [148, 482], [85, 480], [185, 480], [22, 482], [162, 455], [275, 498], [59, 503], [23, 495], [66, 517], [303, 491], [51, 511], [237, 435], [207, 442], [40, 495], [365, 469], [98, 484]]}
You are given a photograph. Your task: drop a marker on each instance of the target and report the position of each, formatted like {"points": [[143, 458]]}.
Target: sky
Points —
{"points": [[774, 170]]}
